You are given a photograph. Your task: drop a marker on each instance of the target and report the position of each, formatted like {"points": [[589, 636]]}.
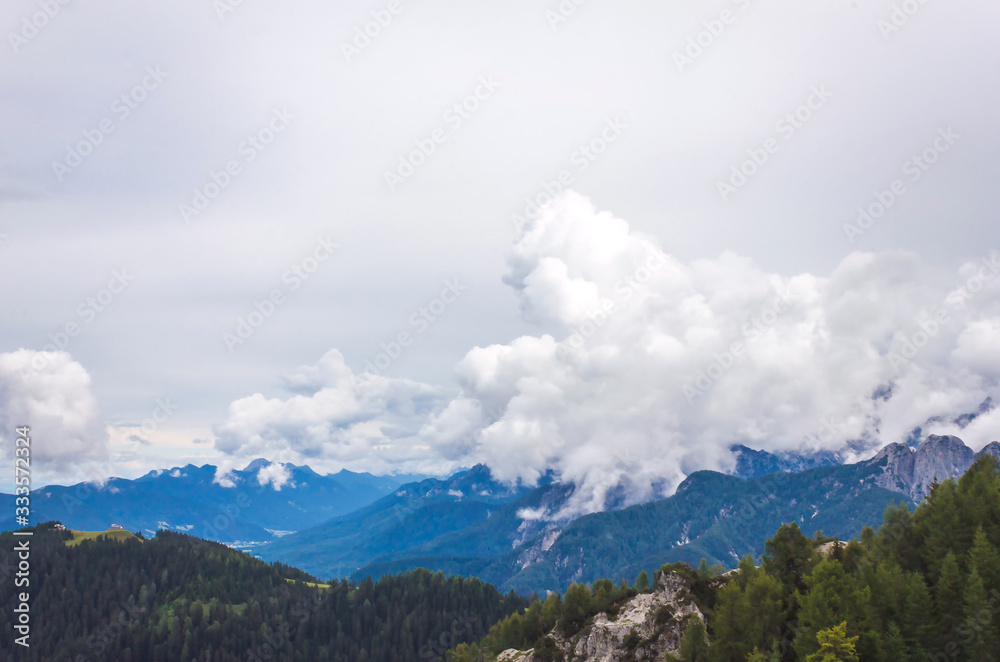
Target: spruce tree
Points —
{"points": [[918, 627], [694, 642], [948, 603], [835, 646], [979, 627]]}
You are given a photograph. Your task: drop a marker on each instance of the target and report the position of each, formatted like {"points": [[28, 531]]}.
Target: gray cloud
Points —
{"points": [[558, 85]]}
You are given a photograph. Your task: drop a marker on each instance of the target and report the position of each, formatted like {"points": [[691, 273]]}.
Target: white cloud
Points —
{"points": [[275, 473], [613, 409], [370, 424], [651, 368], [51, 393]]}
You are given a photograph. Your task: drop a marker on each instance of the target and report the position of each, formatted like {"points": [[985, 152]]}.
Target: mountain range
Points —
{"points": [[492, 534], [258, 503], [359, 525]]}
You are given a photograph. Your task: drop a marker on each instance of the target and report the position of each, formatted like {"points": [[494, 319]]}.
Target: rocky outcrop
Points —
{"points": [[939, 457], [645, 627]]}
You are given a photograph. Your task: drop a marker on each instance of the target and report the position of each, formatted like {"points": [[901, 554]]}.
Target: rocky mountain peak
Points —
{"points": [[992, 448], [940, 457], [913, 471]]}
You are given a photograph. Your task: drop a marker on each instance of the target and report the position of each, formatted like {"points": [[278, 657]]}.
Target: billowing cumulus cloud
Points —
{"points": [[51, 393], [335, 419], [650, 368]]}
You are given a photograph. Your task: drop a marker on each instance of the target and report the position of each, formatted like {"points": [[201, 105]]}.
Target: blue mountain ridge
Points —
{"points": [[712, 515], [188, 499]]}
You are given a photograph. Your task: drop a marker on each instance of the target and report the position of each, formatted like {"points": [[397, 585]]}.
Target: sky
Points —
{"points": [[537, 225]]}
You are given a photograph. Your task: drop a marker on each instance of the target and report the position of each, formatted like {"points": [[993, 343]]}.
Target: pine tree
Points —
{"points": [[918, 628], [835, 646], [731, 623], [642, 581], [892, 646], [576, 608], [770, 620], [979, 626], [747, 571], [832, 597], [694, 642], [984, 558], [948, 600], [789, 556]]}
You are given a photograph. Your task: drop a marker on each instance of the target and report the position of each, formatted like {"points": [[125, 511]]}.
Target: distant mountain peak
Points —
{"points": [[992, 448], [257, 464], [938, 457], [751, 463]]}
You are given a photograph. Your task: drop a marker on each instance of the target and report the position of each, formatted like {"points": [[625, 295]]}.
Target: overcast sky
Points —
{"points": [[165, 165]]}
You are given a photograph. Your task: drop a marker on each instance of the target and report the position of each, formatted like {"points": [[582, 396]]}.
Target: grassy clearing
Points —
{"points": [[114, 534], [313, 584]]}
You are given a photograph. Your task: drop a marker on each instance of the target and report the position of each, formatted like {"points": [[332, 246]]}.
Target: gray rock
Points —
{"points": [[912, 472], [992, 448], [655, 620]]}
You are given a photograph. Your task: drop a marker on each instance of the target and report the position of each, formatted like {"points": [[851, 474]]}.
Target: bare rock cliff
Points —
{"points": [[645, 627], [938, 456]]}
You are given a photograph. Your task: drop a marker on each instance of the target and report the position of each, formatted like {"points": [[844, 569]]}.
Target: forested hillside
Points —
{"points": [[925, 586], [176, 598]]}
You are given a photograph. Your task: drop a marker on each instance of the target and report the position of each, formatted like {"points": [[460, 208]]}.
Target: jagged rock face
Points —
{"points": [[645, 627], [992, 448], [938, 457]]}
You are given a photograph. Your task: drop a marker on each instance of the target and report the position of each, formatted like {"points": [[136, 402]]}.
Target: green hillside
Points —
{"points": [[176, 597]]}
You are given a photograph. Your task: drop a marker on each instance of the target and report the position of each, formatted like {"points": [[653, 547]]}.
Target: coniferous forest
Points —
{"points": [[176, 598]]}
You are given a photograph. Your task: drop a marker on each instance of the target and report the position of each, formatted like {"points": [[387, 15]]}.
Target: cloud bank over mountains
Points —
{"points": [[649, 368], [645, 368]]}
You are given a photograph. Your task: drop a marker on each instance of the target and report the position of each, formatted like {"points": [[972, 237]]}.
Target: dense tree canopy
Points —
{"points": [[177, 599]]}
